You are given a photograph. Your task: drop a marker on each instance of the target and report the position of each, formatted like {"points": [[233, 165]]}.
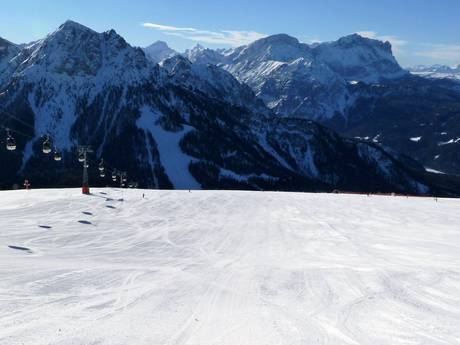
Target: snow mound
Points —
{"points": [[214, 267]]}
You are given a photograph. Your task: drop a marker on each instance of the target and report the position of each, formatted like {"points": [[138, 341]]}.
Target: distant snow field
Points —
{"points": [[214, 267]]}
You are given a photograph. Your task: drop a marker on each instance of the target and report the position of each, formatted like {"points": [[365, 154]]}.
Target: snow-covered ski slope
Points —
{"points": [[214, 267]]}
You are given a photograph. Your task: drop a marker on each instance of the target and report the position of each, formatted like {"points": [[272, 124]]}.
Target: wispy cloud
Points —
{"points": [[396, 43], [228, 37], [446, 52], [167, 27]]}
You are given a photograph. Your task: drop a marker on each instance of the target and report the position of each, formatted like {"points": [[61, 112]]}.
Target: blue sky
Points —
{"points": [[421, 31]]}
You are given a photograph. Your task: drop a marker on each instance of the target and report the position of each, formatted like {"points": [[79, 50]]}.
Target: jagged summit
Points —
{"points": [[355, 39], [198, 47], [71, 29], [76, 50], [195, 50], [202, 55], [72, 25]]}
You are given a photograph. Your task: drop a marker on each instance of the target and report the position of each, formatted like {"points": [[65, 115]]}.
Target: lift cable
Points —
{"points": [[104, 168], [4, 112]]}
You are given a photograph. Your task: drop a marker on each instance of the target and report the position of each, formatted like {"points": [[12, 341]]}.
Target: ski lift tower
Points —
{"points": [[123, 178], [82, 158]]}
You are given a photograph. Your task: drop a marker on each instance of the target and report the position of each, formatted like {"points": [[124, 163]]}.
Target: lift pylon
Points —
{"points": [[82, 157]]}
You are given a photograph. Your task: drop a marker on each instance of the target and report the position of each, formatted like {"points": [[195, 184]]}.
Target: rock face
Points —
{"points": [[357, 58], [159, 51], [176, 124]]}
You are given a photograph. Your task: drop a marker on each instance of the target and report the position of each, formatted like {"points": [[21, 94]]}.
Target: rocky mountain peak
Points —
{"points": [[75, 50], [159, 45], [176, 63], [202, 55], [7, 48], [159, 51], [279, 47], [70, 25], [284, 39], [198, 47], [359, 58], [356, 40]]}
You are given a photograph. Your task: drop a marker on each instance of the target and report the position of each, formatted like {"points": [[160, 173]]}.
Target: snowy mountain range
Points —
{"points": [[188, 124], [355, 86], [297, 79], [437, 71]]}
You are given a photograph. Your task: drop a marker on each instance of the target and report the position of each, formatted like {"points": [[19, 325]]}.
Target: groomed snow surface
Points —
{"points": [[214, 267]]}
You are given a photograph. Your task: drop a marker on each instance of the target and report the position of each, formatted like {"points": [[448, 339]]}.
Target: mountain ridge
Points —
{"points": [[339, 84], [83, 87], [437, 71], [298, 79]]}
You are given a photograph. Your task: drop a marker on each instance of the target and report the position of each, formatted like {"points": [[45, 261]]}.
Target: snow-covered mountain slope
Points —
{"points": [[417, 116], [174, 125], [159, 51], [318, 152], [437, 71], [214, 267], [285, 74], [210, 80], [59, 81]]}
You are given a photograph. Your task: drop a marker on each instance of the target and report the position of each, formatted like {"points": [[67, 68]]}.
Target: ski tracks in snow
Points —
{"points": [[216, 268]]}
